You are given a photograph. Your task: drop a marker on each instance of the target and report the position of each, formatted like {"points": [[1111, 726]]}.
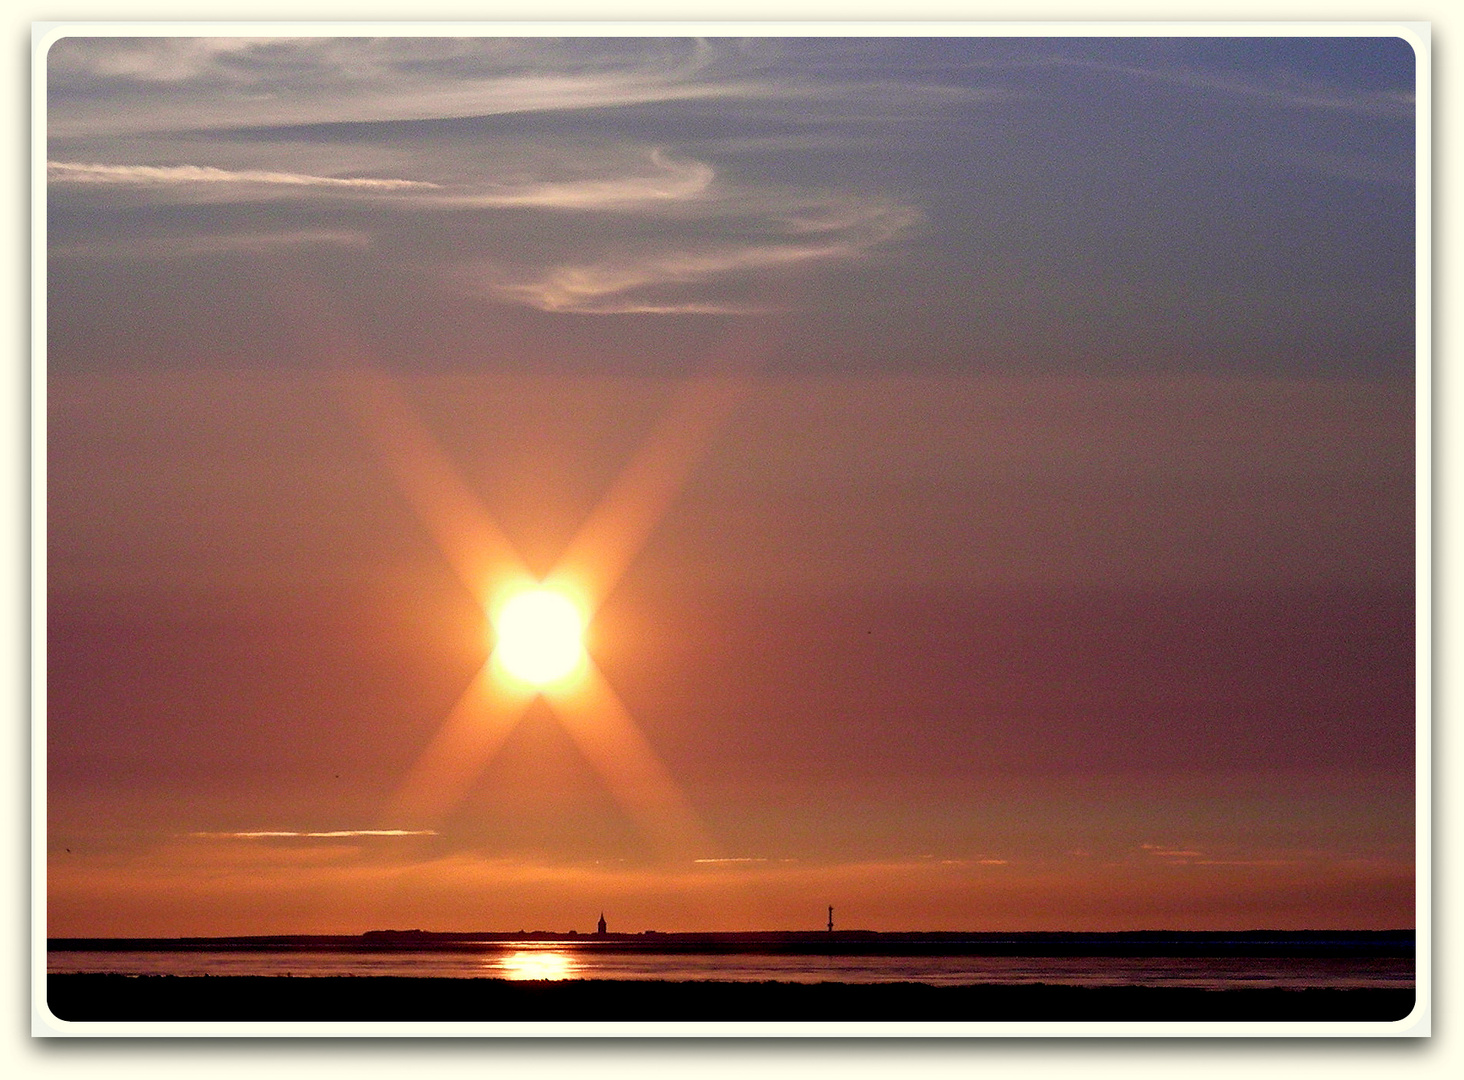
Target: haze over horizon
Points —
{"points": [[988, 465]]}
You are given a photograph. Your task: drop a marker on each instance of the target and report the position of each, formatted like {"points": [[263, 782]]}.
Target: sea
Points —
{"points": [[555, 960]]}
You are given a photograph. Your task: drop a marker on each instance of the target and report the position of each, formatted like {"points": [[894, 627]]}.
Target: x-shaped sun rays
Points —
{"points": [[486, 561]]}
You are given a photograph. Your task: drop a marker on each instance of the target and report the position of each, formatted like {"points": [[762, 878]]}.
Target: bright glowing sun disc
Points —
{"points": [[540, 636]]}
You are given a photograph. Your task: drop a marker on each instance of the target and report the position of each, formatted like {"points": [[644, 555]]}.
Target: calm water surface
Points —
{"points": [[554, 961]]}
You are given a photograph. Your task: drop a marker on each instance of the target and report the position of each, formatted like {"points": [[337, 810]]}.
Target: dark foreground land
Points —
{"points": [[255, 997]]}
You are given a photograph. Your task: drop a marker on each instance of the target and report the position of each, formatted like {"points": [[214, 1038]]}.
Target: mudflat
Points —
{"points": [[385, 998]]}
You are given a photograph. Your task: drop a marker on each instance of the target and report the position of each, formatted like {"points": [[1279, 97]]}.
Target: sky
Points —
{"points": [[989, 464]]}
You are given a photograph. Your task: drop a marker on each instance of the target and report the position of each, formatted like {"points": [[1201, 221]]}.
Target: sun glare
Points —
{"points": [[535, 965], [540, 636]]}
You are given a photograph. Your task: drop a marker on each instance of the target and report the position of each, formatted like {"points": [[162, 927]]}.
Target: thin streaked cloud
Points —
{"points": [[654, 284], [132, 86], [685, 279], [1285, 89], [78, 172], [143, 85], [685, 240], [176, 247], [1278, 86], [1171, 852], [332, 834], [150, 60], [670, 181]]}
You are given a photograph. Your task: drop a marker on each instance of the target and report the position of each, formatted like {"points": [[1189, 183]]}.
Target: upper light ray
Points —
{"points": [[466, 534]]}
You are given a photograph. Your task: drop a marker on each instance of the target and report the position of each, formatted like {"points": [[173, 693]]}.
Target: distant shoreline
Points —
{"points": [[1254, 943], [1398, 943], [388, 998]]}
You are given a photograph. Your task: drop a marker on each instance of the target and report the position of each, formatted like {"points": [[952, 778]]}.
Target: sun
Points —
{"points": [[540, 636]]}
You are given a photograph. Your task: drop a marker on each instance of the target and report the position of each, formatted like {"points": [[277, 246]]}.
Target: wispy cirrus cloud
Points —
{"points": [[151, 60], [103, 87], [668, 181], [690, 228], [682, 240], [1285, 89], [163, 84], [667, 276], [648, 178], [79, 172], [1276, 85], [652, 284]]}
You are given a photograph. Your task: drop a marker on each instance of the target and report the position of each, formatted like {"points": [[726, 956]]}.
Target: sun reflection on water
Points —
{"points": [[534, 964]]}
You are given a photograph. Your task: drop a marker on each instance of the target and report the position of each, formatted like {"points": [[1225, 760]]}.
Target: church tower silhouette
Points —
{"points": [[600, 927]]}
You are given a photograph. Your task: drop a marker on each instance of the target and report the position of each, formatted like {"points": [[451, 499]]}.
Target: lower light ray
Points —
{"points": [[608, 737], [472, 733]]}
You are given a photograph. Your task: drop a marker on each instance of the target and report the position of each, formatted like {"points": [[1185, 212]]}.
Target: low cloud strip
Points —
{"points": [[332, 834]]}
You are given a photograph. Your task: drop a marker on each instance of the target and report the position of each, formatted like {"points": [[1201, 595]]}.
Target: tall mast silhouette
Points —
{"points": [[831, 918]]}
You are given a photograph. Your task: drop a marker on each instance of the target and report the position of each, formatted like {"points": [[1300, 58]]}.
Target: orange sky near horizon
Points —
{"points": [[801, 692]]}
